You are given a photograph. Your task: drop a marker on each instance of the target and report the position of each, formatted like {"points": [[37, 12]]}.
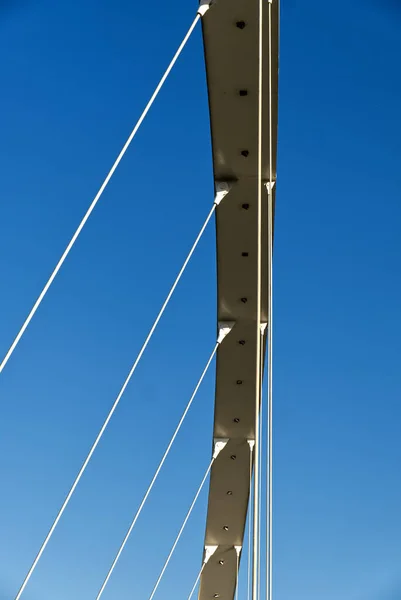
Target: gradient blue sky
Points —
{"points": [[74, 78]]}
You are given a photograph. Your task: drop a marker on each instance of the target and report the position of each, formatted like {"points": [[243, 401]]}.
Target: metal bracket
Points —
{"points": [[269, 186], [238, 550], [251, 444], [263, 328], [224, 329], [219, 445], [204, 6], [222, 189], [209, 551]]}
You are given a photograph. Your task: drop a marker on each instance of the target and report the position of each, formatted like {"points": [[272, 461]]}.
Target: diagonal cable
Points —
{"points": [[238, 550], [261, 417], [250, 504], [258, 374], [113, 408], [177, 539], [270, 213], [196, 582], [201, 11], [236, 578], [209, 550], [155, 476]]}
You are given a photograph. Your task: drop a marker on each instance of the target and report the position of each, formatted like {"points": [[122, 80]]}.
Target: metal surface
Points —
{"points": [[230, 32]]}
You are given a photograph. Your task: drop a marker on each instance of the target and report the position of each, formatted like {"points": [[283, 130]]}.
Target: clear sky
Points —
{"points": [[74, 78]]}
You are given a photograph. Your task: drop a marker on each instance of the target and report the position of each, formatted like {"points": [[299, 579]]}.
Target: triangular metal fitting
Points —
{"points": [[219, 445], [269, 186], [263, 328], [222, 189], [204, 6], [224, 329], [238, 550], [209, 551], [251, 444]]}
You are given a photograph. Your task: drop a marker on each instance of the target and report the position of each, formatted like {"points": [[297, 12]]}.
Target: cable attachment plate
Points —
{"points": [[238, 550], [219, 445], [209, 551], [263, 328], [251, 444], [204, 6], [224, 329], [222, 189], [269, 186]]}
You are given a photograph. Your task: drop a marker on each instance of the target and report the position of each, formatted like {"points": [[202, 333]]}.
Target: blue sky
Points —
{"points": [[74, 78]]}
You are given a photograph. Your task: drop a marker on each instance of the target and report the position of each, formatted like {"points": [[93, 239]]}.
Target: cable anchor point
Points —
{"points": [[251, 444], [204, 6], [269, 186], [222, 189], [209, 551], [224, 329], [219, 445]]}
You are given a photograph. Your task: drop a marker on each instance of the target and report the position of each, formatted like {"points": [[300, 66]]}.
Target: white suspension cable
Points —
{"points": [[236, 578], [209, 551], [180, 533], [251, 446], [177, 539], [238, 552], [260, 495], [262, 332], [256, 499], [116, 402], [155, 476], [196, 582], [269, 482], [201, 11]]}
